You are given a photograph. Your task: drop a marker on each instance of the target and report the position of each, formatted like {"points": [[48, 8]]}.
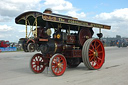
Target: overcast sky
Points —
{"points": [[109, 12]]}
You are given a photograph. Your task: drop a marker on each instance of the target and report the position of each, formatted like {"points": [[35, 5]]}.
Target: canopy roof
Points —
{"points": [[55, 20]]}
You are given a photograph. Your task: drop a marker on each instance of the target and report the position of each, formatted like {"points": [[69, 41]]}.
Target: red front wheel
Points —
{"points": [[58, 64], [37, 63], [93, 53]]}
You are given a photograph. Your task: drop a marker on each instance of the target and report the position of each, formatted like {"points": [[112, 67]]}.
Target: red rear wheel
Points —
{"points": [[93, 53], [58, 64], [37, 63]]}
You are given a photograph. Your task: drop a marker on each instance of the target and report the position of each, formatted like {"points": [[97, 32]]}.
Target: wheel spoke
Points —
{"points": [[90, 54], [99, 58], [90, 59], [54, 63], [58, 70], [100, 52], [59, 60], [91, 50], [92, 46], [54, 66], [39, 67], [95, 44], [36, 68], [98, 46], [61, 68]]}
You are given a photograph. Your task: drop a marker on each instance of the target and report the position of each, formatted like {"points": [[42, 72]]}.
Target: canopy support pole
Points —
{"points": [[36, 26], [99, 30], [26, 28]]}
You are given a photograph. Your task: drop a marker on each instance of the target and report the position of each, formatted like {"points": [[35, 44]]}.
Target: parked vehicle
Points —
{"points": [[122, 43], [4, 43]]}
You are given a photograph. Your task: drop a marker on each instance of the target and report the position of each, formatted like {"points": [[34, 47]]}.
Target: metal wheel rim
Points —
{"points": [[58, 64], [31, 47], [94, 54], [37, 63]]}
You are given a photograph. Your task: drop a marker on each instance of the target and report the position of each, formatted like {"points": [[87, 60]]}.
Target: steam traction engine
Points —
{"points": [[70, 44]]}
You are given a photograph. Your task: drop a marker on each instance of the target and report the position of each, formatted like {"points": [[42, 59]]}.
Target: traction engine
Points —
{"points": [[70, 44]]}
